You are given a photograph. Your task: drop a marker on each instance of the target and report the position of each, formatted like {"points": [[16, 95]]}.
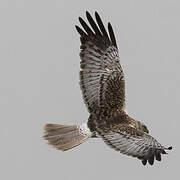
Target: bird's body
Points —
{"points": [[104, 119], [103, 87]]}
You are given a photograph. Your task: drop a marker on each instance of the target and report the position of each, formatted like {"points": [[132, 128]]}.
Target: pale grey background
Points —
{"points": [[39, 65]]}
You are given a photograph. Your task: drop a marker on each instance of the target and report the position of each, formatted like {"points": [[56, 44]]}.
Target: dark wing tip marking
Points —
{"points": [[93, 24], [112, 36], [101, 26], [169, 148], [80, 31], [144, 162], [96, 32], [156, 155], [151, 160], [98, 29], [86, 27]]}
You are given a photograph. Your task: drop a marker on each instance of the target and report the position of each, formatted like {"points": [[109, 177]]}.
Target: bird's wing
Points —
{"points": [[101, 76], [132, 142]]}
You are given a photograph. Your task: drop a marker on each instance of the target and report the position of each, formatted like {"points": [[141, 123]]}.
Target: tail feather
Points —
{"points": [[64, 137]]}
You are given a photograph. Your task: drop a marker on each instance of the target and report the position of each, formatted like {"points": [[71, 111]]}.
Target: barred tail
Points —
{"points": [[64, 137]]}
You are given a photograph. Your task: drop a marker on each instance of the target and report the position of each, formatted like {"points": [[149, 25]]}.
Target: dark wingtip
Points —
{"points": [[112, 36], [87, 13], [80, 31], [158, 157], [164, 152], [76, 26], [80, 19], [96, 13], [155, 155], [151, 160], [144, 162]]}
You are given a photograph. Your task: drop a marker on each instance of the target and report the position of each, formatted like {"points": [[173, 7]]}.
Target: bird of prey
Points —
{"points": [[103, 88]]}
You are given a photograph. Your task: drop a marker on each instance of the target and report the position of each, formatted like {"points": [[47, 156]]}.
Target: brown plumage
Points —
{"points": [[103, 89]]}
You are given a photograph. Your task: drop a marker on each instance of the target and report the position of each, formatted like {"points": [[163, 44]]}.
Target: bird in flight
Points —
{"points": [[103, 88]]}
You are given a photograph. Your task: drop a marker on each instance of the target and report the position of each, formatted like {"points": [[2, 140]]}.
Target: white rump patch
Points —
{"points": [[84, 130]]}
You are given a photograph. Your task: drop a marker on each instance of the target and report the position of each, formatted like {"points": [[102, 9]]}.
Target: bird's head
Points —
{"points": [[142, 127]]}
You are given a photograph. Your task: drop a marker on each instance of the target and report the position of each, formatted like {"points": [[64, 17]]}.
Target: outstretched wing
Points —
{"points": [[132, 142], [101, 76]]}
